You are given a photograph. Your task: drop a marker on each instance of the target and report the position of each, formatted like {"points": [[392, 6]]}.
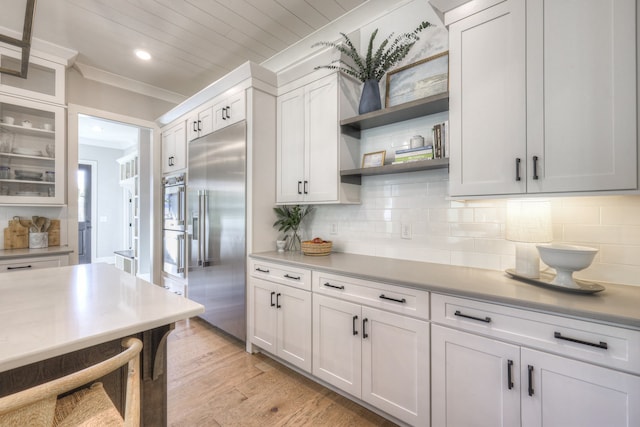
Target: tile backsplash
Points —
{"points": [[472, 232]]}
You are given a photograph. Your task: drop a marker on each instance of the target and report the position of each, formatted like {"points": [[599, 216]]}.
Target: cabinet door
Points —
{"points": [[174, 148], [205, 121], [294, 326], [470, 380], [563, 393], [263, 315], [290, 146], [45, 80], [192, 127], [321, 167], [581, 95], [487, 101], [337, 348], [229, 111], [395, 365]]}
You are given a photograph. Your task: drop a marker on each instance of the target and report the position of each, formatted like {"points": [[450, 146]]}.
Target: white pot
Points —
{"points": [[38, 240]]}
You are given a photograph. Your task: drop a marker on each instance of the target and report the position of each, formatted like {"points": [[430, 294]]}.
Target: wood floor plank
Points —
{"points": [[213, 381]]}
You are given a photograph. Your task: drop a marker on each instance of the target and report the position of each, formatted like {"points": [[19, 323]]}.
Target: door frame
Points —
{"points": [[94, 204], [73, 110]]}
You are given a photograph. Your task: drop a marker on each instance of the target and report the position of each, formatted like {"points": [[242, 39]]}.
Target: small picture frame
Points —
{"points": [[427, 77], [372, 160]]}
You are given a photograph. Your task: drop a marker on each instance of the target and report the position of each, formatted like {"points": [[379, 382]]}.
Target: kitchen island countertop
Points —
{"points": [[617, 304], [8, 254], [53, 311]]}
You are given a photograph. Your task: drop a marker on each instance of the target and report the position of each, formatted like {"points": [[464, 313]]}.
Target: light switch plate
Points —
{"points": [[406, 231]]}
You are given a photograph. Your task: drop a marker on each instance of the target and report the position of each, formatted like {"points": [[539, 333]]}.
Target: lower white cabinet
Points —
{"points": [[377, 356], [32, 263]]}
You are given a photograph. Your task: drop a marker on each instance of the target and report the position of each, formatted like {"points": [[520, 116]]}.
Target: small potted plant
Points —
{"points": [[371, 68], [289, 220]]}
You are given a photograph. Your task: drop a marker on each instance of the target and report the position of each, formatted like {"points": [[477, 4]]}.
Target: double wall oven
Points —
{"points": [[174, 245]]}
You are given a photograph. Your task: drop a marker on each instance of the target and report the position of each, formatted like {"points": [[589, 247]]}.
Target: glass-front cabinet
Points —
{"points": [[32, 163], [45, 79]]}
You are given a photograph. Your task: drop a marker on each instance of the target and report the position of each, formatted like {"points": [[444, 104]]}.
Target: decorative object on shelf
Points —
{"points": [[6, 140], [27, 124], [441, 140], [413, 154], [289, 220], [372, 160], [528, 222], [8, 120], [371, 68], [24, 44], [427, 77], [416, 141], [280, 244], [317, 247], [566, 259]]}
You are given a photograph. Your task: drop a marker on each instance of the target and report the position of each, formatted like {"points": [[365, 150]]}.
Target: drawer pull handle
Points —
{"points": [[261, 270], [601, 344], [510, 374], [479, 319], [364, 328], [19, 268], [530, 388], [329, 285], [292, 277], [272, 294], [402, 301], [278, 300], [354, 325]]}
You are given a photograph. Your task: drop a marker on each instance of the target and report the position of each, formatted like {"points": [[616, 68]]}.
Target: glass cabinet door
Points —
{"points": [[31, 152], [45, 79]]}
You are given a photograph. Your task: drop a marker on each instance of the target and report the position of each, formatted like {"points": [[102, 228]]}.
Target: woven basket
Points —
{"points": [[316, 249]]}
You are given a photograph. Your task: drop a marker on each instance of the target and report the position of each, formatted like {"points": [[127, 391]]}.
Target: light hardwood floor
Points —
{"points": [[212, 382]]}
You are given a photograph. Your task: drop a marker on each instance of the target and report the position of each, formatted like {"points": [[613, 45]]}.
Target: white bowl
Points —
{"points": [[566, 259]]}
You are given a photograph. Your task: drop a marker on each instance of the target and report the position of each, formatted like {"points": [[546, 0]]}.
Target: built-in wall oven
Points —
{"points": [[174, 244]]}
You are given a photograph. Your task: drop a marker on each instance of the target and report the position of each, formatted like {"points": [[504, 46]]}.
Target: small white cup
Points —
{"points": [[8, 120], [280, 245], [47, 126], [26, 124]]}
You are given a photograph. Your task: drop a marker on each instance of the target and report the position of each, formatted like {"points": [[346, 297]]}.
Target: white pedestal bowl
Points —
{"points": [[566, 259]]}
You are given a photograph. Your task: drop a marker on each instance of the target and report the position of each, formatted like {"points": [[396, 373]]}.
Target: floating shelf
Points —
{"points": [[398, 113], [353, 176]]}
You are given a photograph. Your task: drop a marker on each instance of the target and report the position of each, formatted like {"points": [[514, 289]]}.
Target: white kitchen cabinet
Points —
{"points": [[280, 314], [534, 105], [200, 123], [351, 350], [32, 152], [591, 380], [32, 263], [229, 110], [45, 78], [174, 148], [310, 146]]}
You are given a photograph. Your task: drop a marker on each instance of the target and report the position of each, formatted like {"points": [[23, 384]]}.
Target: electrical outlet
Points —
{"points": [[333, 228], [406, 231]]}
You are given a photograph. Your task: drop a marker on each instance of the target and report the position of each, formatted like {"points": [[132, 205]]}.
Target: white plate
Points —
{"points": [[27, 151], [22, 174], [28, 193]]}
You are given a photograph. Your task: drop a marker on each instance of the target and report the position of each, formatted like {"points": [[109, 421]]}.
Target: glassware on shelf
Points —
{"points": [[5, 172], [6, 140], [50, 176]]}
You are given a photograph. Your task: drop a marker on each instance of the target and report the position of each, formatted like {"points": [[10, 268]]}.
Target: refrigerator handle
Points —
{"points": [[181, 253], [200, 218], [205, 230], [181, 206]]}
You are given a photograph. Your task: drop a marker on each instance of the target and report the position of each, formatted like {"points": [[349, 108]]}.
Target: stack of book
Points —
{"points": [[441, 140], [413, 154]]}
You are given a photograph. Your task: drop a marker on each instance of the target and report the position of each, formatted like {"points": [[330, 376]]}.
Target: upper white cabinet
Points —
{"points": [[174, 148], [200, 123], [310, 146], [32, 152], [221, 112], [45, 79], [543, 97]]}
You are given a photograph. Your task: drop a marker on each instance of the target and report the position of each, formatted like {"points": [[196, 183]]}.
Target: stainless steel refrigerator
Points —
{"points": [[216, 200]]}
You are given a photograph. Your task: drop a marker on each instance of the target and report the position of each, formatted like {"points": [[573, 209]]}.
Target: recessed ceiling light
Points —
{"points": [[143, 54]]}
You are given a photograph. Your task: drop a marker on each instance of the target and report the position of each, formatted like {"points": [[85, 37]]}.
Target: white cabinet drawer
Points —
{"points": [[407, 301], [607, 345], [33, 263], [284, 274]]}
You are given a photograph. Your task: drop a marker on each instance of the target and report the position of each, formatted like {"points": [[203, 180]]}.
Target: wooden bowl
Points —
{"points": [[316, 249]]}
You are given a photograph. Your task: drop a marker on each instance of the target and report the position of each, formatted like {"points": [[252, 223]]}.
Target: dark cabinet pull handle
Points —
{"points": [[466, 316], [272, 294], [227, 112], [510, 374], [329, 285], [535, 167], [195, 129], [402, 301], [364, 328], [292, 277], [601, 344], [517, 168], [530, 368], [222, 114], [306, 184], [19, 268], [299, 184], [354, 325], [199, 123], [278, 300], [261, 270]]}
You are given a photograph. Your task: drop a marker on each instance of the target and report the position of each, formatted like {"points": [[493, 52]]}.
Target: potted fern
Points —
{"points": [[372, 67], [289, 220]]}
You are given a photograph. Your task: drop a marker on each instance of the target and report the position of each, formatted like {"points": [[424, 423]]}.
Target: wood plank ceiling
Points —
{"points": [[192, 42]]}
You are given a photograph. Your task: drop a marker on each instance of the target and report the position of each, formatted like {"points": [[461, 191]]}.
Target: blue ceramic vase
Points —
{"points": [[370, 98]]}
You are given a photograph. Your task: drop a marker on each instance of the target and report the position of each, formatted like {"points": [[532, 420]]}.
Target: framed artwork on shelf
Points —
{"points": [[424, 78], [371, 160]]}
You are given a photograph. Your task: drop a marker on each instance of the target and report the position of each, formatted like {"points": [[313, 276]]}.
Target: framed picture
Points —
{"points": [[371, 160], [427, 77]]}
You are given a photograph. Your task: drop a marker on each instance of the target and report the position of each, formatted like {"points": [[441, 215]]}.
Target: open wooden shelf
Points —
{"points": [[353, 176], [398, 113]]}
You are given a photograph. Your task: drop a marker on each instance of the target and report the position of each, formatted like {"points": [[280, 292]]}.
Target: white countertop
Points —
{"points": [[31, 253], [616, 304], [52, 311]]}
